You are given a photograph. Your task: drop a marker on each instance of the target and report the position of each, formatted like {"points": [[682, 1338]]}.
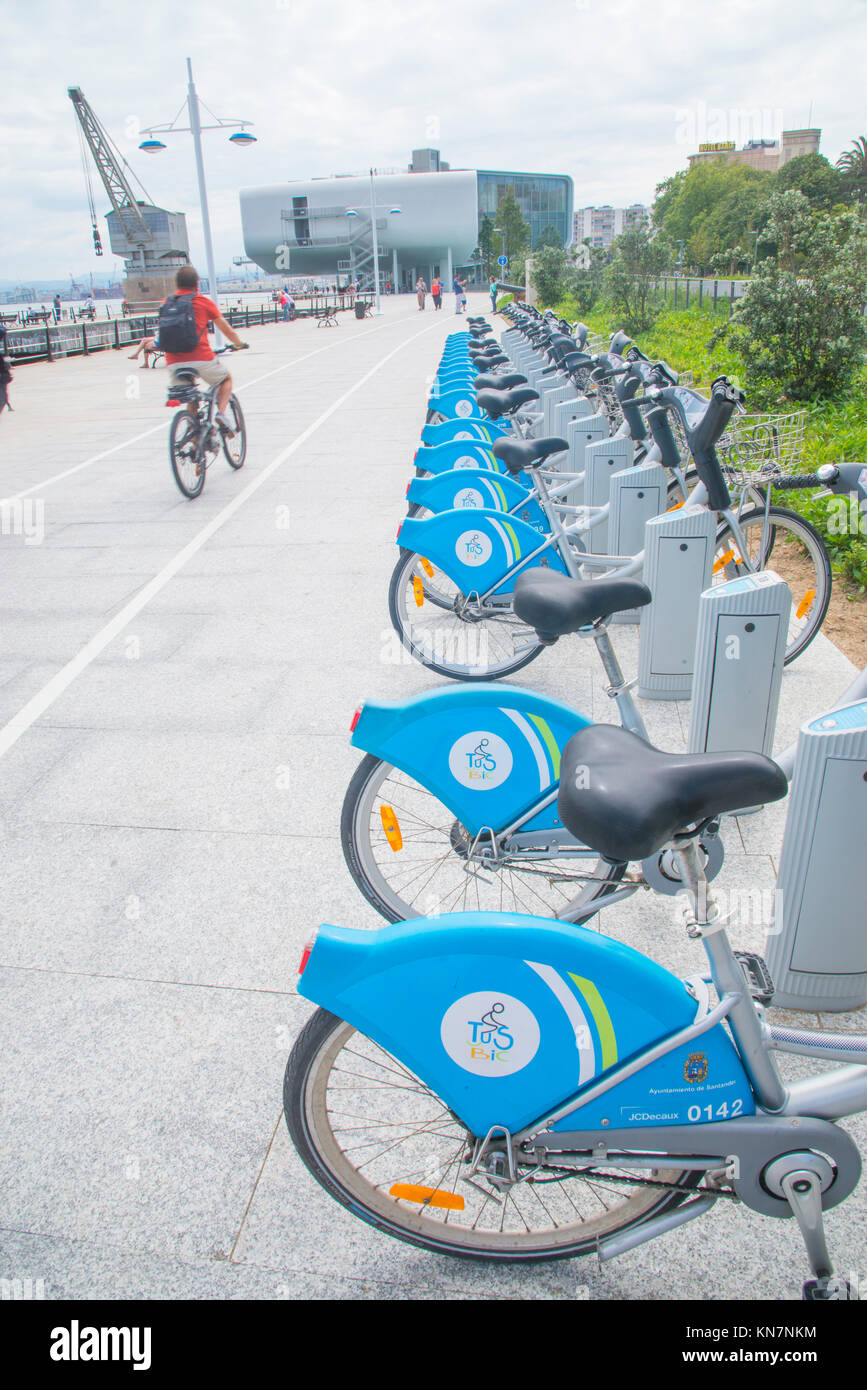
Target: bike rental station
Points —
{"points": [[548, 1089]]}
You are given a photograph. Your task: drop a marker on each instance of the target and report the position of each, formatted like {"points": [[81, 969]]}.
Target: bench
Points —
{"points": [[326, 316]]}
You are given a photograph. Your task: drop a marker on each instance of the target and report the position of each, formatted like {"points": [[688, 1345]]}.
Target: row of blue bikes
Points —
{"points": [[489, 1075]]}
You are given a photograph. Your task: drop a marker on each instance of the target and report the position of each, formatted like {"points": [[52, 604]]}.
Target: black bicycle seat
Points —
{"points": [[520, 454], [626, 799], [555, 605], [498, 403], [491, 382]]}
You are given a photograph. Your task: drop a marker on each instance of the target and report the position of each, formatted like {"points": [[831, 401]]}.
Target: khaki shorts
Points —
{"points": [[212, 372]]}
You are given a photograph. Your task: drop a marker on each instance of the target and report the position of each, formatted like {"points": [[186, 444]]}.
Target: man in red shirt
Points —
{"points": [[202, 358]]}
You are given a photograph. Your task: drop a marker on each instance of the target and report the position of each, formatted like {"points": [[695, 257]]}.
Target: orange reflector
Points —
{"points": [[676, 508], [418, 590], [723, 560], [391, 827], [428, 1196], [806, 603], [426, 566]]}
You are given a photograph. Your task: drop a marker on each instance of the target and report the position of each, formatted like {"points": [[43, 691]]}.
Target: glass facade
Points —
{"points": [[544, 199]]}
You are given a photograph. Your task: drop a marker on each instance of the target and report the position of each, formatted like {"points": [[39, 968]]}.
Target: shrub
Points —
{"points": [[800, 328]]}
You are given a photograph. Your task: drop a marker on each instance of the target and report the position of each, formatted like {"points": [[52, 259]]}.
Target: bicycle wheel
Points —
{"points": [[791, 547], [362, 1123], [188, 462], [428, 866], [235, 448], [472, 644]]}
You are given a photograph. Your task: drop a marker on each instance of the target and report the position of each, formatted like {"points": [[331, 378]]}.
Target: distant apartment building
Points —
{"points": [[768, 155], [601, 225]]}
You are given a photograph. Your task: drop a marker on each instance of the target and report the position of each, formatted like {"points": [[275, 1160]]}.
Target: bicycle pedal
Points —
{"points": [[757, 975], [830, 1290]]}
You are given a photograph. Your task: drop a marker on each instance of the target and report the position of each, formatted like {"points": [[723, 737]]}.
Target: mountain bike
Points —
{"points": [[195, 434]]}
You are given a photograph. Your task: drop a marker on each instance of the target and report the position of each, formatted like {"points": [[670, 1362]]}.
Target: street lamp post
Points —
{"points": [[353, 212], [502, 232], [241, 138]]}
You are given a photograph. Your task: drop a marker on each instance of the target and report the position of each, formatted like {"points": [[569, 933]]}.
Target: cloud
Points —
{"points": [[592, 88]]}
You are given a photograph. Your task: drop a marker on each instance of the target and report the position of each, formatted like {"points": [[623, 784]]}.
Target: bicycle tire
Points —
{"points": [[188, 466], [387, 1093], [570, 889], [235, 449], [807, 570], [461, 648]]}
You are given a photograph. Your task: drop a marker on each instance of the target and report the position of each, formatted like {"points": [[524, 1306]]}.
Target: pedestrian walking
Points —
{"points": [[493, 290], [5, 373], [421, 291], [459, 287], [436, 289], [57, 308]]}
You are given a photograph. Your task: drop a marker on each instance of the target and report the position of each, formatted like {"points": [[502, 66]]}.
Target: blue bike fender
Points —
{"points": [[461, 489], [487, 430], [476, 552], [457, 405], [458, 453], [488, 752], [505, 1017]]}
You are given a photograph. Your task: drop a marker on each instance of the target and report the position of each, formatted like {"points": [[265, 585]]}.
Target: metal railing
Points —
{"points": [[80, 339]]}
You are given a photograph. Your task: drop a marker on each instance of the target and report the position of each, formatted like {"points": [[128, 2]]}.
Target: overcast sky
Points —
{"points": [[614, 92]]}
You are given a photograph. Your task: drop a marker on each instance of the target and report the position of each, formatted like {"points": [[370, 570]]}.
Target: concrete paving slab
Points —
{"points": [[170, 830]]}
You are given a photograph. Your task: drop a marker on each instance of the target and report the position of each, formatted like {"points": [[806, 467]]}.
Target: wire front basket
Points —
{"points": [[759, 446]]}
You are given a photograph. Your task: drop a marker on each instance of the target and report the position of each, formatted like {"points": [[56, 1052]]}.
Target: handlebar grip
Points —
{"points": [[791, 481]]}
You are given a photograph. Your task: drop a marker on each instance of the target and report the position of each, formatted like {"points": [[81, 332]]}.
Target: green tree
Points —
{"points": [[640, 257], [800, 329], [549, 237], [487, 244], [711, 207], [553, 274], [853, 166], [511, 220], [816, 178], [588, 281]]}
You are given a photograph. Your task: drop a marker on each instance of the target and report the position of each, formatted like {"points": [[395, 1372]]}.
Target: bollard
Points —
{"points": [[740, 649], [678, 562], [816, 949], [637, 494], [587, 429], [602, 459]]}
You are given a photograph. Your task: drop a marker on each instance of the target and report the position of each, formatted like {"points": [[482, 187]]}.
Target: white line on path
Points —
{"points": [[46, 697], [164, 424]]}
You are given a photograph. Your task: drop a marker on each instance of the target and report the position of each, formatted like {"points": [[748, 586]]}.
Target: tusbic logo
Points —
{"points": [[480, 760], [469, 497], [463, 408], [466, 461], [473, 548], [490, 1034], [77, 1343]]}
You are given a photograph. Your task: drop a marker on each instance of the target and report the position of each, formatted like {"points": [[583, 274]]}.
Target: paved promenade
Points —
{"points": [[176, 684]]}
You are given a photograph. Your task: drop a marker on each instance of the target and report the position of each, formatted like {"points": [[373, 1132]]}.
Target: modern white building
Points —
{"points": [[427, 220], [600, 225]]}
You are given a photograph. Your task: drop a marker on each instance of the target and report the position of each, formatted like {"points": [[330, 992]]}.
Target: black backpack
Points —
{"points": [[177, 324]]}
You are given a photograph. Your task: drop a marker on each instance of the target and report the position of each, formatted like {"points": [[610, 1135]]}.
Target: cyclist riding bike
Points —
{"points": [[201, 357]]}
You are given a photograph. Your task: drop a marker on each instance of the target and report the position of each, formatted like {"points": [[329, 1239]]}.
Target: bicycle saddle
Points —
{"points": [[555, 605], [626, 799], [518, 454], [490, 381], [498, 403]]}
